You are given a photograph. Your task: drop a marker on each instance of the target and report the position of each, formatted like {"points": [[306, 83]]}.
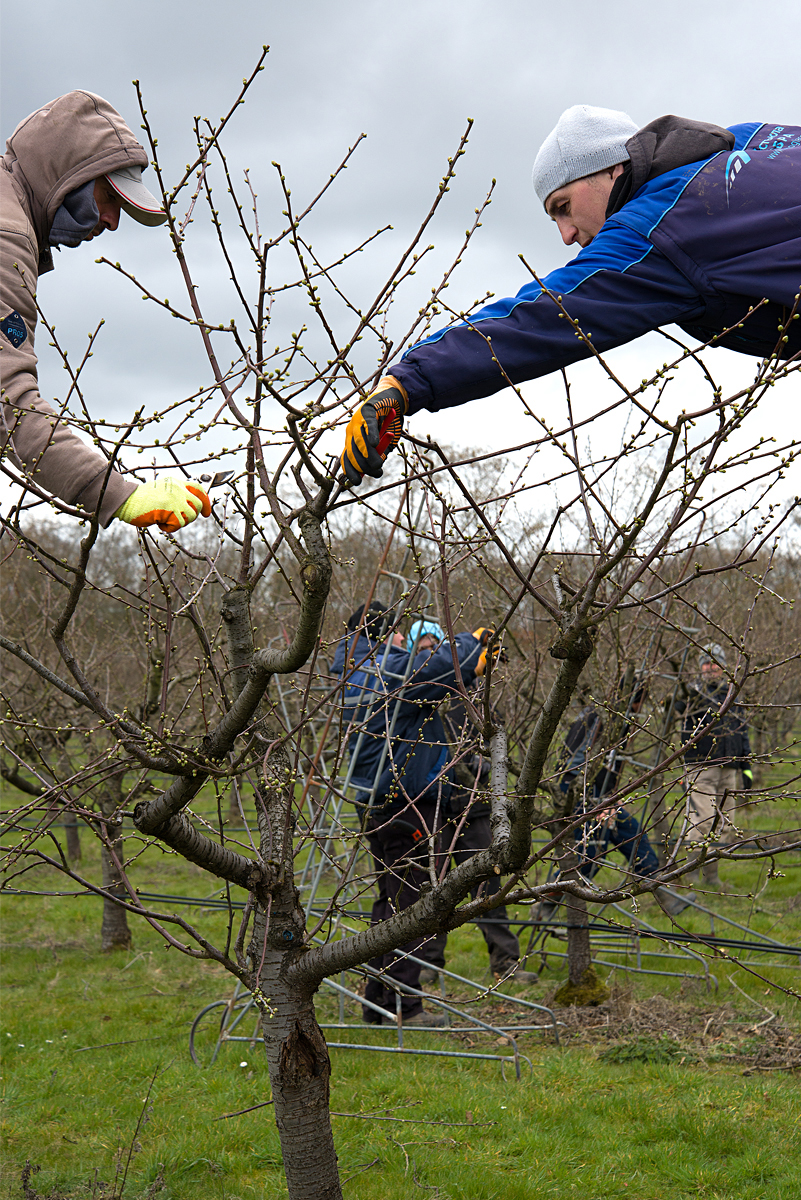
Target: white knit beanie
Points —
{"points": [[585, 140]]}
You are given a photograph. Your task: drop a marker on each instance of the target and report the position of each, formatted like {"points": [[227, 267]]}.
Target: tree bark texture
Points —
{"points": [[297, 1055], [579, 955], [73, 838], [114, 931], [235, 612], [154, 684]]}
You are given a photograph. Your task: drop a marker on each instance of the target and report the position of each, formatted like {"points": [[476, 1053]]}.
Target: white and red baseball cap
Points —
{"points": [[136, 200]]}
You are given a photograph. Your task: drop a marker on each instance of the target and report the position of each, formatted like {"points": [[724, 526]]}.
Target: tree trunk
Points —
{"points": [[154, 684], [235, 612], [582, 987], [73, 840], [297, 1055], [114, 931], [579, 956]]}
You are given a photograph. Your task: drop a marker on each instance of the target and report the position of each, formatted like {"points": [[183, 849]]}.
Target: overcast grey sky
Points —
{"points": [[408, 75]]}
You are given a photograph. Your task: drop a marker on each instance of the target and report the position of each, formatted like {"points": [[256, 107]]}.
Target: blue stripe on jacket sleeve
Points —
{"points": [[620, 250], [617, 288]]}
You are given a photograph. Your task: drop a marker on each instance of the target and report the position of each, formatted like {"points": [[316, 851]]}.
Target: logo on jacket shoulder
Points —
{"points": [[781, 138], [13, 327], [734, 165]]}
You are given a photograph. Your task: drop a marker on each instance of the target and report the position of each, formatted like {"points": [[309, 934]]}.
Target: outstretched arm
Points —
{"points": [[617, 288]]}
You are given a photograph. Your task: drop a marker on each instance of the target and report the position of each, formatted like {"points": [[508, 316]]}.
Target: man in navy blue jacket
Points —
{"points": [[680, 221], [401, 771], [616, 828]]}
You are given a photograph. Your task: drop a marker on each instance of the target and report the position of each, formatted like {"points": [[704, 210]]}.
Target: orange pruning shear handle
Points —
{"points": [[385, 435]]}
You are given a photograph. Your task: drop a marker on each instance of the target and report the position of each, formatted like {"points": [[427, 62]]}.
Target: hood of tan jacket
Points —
{"points": [[63, 145]]}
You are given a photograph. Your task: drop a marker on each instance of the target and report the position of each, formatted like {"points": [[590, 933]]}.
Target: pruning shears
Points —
{"points": [[213, 481]]}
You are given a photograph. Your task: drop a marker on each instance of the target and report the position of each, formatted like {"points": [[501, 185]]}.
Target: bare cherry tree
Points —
{"points": [[160, 663]]}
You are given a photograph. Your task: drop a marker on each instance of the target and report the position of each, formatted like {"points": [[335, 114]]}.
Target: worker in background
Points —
{"points": [[402, 782], [716, 761], [467, 830], [614, 828]]}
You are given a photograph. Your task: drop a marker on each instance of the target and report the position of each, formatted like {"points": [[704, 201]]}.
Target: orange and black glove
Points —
{"points": [[167, 502], [373, 430], [483, 635]]}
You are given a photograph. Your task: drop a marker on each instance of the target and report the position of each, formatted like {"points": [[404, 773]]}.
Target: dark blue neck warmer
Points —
{"points": [[76, 218]]}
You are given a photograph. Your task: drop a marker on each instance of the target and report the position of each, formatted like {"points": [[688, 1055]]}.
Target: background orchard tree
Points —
{"points": [[143, 684]]}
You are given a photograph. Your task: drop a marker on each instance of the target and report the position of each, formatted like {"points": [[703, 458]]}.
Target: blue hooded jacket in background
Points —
{"points": [[697, 245], [418, 750]]}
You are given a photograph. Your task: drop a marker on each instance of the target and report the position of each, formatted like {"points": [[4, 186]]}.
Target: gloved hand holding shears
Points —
{"points": [[373, 430], [483, 636], [167, 502]]}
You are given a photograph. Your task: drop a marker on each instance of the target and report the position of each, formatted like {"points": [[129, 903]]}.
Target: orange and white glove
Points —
{"points": [[483, 635], [373, 430], [167, 502]]}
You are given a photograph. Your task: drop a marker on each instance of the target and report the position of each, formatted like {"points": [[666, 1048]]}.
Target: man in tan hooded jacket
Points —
{"points": [[69, 169]]}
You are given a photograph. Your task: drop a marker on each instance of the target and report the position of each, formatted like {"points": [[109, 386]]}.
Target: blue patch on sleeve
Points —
{"points": [[13, 327]]}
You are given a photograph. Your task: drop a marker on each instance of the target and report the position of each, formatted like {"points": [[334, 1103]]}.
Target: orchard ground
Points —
{"points": [[668, 1090]]}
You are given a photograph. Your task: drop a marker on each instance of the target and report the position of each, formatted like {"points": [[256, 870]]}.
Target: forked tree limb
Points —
{"points": [[315, 572]]}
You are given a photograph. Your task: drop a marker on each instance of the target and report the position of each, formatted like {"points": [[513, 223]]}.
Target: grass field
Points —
{"points": [[669, 1090]]}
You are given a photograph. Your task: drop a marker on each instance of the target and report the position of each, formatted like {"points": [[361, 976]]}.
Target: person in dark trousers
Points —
{"points": [[468, 830], [715, 762], [680, 221], [615, 829], [403, 781]]}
